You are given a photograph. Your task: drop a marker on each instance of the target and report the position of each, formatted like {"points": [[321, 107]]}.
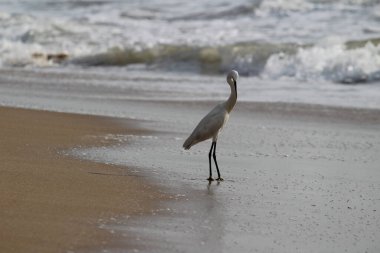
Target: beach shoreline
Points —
{"points": [[56, 203], [294, 173], [295, 160]]}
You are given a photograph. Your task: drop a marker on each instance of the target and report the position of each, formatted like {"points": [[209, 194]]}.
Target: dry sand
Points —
{"points": [[53, 203]]}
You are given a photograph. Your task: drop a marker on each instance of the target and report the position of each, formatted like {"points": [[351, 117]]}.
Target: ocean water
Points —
{"points": [[327, 51]]}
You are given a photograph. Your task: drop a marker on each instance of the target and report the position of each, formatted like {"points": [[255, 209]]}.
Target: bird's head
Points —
{"points": [[232, 77]]}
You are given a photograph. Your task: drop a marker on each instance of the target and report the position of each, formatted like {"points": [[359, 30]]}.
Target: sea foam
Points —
{"points": [[335, 63], [271, 39]]}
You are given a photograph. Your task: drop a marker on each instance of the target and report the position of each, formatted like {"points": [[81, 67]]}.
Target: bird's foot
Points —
{"points": [[210, 179], [219, 179]]}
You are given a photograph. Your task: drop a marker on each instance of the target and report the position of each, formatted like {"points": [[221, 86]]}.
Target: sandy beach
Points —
{"points": [[54, 203], [298, 177]]}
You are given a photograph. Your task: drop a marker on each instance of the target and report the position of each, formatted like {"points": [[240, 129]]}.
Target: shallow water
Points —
{"points": [[105, 91]]}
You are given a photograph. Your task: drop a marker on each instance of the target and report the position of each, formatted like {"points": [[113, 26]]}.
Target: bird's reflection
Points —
{"points": [[211, 187]]}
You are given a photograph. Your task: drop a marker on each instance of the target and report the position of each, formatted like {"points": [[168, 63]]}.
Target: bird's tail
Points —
{"points": [[188, 143]]}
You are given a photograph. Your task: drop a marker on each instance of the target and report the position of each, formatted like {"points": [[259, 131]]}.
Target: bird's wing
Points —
{"points": [[208, 127]]}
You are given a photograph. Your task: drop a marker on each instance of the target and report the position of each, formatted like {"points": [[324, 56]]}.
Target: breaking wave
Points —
{"points": [[270, 39], [350, 62], [249, 58], [341, 63]]}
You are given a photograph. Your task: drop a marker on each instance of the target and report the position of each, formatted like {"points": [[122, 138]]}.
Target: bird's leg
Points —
{"points": [[216, 164], [209, 161]]}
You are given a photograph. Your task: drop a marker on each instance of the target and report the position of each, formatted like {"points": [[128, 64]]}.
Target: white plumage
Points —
{"points": [[211, 125]]}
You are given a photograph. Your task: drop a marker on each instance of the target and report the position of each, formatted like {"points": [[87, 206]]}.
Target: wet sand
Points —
{"points": [[54, 203], [298, 178]]}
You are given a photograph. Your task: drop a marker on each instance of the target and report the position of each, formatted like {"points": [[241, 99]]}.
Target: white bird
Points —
{"points": [[211, 125]]}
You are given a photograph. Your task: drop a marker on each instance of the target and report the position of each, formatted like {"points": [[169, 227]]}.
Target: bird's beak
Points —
{"points": [[235, 86]]}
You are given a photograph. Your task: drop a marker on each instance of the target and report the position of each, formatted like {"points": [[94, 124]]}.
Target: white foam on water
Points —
{"points": [[80, 28], [335, 63]]}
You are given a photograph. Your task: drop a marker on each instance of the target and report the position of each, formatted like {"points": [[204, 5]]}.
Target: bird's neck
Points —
{"points": [[230, 103]]}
